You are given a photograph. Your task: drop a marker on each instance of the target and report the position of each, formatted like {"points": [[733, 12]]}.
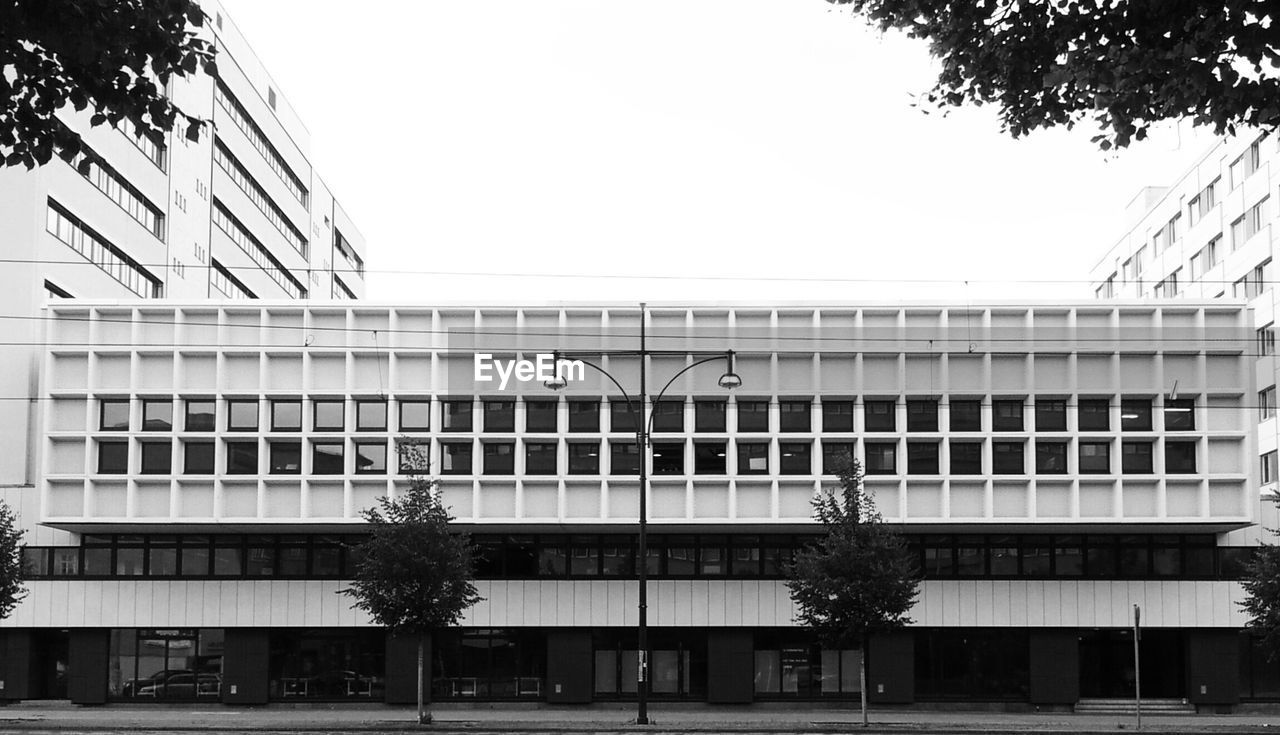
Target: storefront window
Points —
{"points": [[488, 664], [326, 665], [163, 665], [677, 664], [972, 664], [790, 665]]}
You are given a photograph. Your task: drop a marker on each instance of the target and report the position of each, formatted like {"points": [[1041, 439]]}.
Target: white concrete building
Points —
{"points": [[203, 465]]}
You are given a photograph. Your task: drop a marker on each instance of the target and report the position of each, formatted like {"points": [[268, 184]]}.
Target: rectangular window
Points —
{"points": [[1107, 289], [157, 458], [966, 458], [709, 416], [1093, 414], [1135, 458], [837, 416], [1135, 414], [235, 230], [668, 416], [328, 415], [836, 456], [966, 415], [1095, 458], [228, 285], [1205, 259], [1180, 457], [795, 416], [540, 416], [1051, 457], [540, 458], [242, 415], [415, 456], [499, 416], [1168, 288], [371, 415], [753, 416], [286, 415], [881, 458], [113, 457], [1266, 403], [624, 458], [668, 458], [584, 458], [259, 141], [622, 418], [1051, 414], [286, 458], [1007, 458], [1267, 340], [499, 458], [709, 458], [1269, 468], [242, 458], [879, 415], [107, 180], [371, 457], [922, 458], [753, 458], [1006, 414], [197, 458], [796, 458], [457, 414], [1179, 414], [157, 415], [113, 415], [584, 416], [922, 414], [200, 415], [236, 171]]}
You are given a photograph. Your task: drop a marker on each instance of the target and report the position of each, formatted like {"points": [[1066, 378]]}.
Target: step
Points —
{"points": [[1127, 706]]}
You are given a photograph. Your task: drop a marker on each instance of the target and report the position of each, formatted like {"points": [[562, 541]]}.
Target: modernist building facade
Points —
{"points": [[203, 467]]}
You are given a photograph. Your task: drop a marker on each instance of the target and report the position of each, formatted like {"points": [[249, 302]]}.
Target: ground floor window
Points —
{"points": [[972, 664], [790, 664], [1259, 678], [677, 664], [327, 664], [485, 663], [170, 664]]}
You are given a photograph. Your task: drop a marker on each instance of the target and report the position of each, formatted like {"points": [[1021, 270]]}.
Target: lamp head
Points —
{"points": [[557, 381], [730, 380]]}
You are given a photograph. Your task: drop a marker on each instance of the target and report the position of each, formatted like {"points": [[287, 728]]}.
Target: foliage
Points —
{"points": [[414, 574], [114, 56], [11, 589], [1262, 588], [858, 579], [1125, 64]]}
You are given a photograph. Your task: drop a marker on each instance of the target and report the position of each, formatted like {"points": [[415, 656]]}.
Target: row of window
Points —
{"points": [[151, 147], [119, 190], [228, 285], [228, 163], [348, 252], [668, 416], [530, 556], [258, 139], [233, 228], [75, 234]]}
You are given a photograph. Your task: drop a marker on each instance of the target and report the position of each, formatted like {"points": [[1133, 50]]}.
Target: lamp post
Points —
{"points": [[644, 427]]}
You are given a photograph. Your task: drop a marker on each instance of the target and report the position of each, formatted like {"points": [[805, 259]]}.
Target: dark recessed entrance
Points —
{"points": [[1106, 664]]}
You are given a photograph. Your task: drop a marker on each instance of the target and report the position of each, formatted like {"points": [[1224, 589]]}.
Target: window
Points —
{"points": [[457, 414], [253, 247], [286, 458], [753, 458], [1051, 414], [966, 458], [197, 458], [1180, 457], [1168, 288], [584, 416], [966, 415], [584, 458], [1095, 458], [1051, 457], [753, 416], [286, 415], [157, 458], [1006, 414], [1179, 414], [415, 456], [326, 458], [228, 285], [258, 139], [1244, 166], [54, 291], [1135, 414], [795, 458], [108, 181], [540, 416], [709, 416], [922, 458], [1007, 458], [668, 458], [371, 457], [1093, 414], [668, 416], [836, 456], [1268, 471], [922, 414], [242, 415], [1267, 340], [328, 415], [880, 415], [1107, 289], [371, 415], [499, 458], [1135, 458], [113, 415], [1203, 203], [795, 416], [1249, 224], [113, 457], [1205, 259], [200, 415], [1168, 234], [236, 171], [242, 458], [624, 458], [540, 458], [709, 458], [157, 415], [621, 416], [881, 458], [837, 416], [1266, 403]]}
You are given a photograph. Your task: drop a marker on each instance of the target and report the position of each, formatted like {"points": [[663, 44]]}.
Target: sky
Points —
{"points": [[684, 151]]}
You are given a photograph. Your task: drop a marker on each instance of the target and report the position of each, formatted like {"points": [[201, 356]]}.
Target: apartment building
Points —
{"points": [[204, 466], [240, 214]]}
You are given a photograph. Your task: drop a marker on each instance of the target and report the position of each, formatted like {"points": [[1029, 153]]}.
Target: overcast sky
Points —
{"points": [[730, 139]]}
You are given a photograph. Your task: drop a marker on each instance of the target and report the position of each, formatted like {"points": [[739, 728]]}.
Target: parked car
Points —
{"points": [[184, 685]]}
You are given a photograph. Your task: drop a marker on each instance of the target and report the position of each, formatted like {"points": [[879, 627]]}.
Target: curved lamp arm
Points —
{"points": [[649, 424]]}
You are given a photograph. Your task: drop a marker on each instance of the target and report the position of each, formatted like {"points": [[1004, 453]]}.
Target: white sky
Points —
{"points": [[743, 138]]}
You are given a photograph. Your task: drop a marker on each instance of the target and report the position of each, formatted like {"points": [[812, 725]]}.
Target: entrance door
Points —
{"points": [[1107, 671], [49, 664]]}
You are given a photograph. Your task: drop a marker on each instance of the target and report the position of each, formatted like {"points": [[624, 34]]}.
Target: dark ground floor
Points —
{"points": [[1212, 668]]}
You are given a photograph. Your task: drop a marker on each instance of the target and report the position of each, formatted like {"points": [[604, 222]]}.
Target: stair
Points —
{"points": [[1126, 707]]}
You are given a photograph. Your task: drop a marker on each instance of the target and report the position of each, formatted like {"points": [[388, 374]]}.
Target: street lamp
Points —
{"points": [[729, 380]]}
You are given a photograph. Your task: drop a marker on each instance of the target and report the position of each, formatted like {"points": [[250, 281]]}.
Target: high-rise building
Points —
{"points": [[240, 214]]}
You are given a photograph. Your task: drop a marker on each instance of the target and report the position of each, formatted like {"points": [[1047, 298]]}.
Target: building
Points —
{"points": [[240, 214], [203, 465]]}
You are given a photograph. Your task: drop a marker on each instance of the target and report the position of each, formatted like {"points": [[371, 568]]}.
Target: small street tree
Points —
{"points": [[856, 580], [11, 589], [414, 574], [1262, 588]]}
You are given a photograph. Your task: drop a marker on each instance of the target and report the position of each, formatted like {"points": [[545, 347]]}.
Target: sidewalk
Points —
{"points": [[595, 719]]}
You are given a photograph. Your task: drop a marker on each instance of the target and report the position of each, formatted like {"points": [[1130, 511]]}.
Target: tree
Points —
{"points": [[1262, 589], [114, 56], [1124, 64], [856, 580], [11, 588], [414, 574]]}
